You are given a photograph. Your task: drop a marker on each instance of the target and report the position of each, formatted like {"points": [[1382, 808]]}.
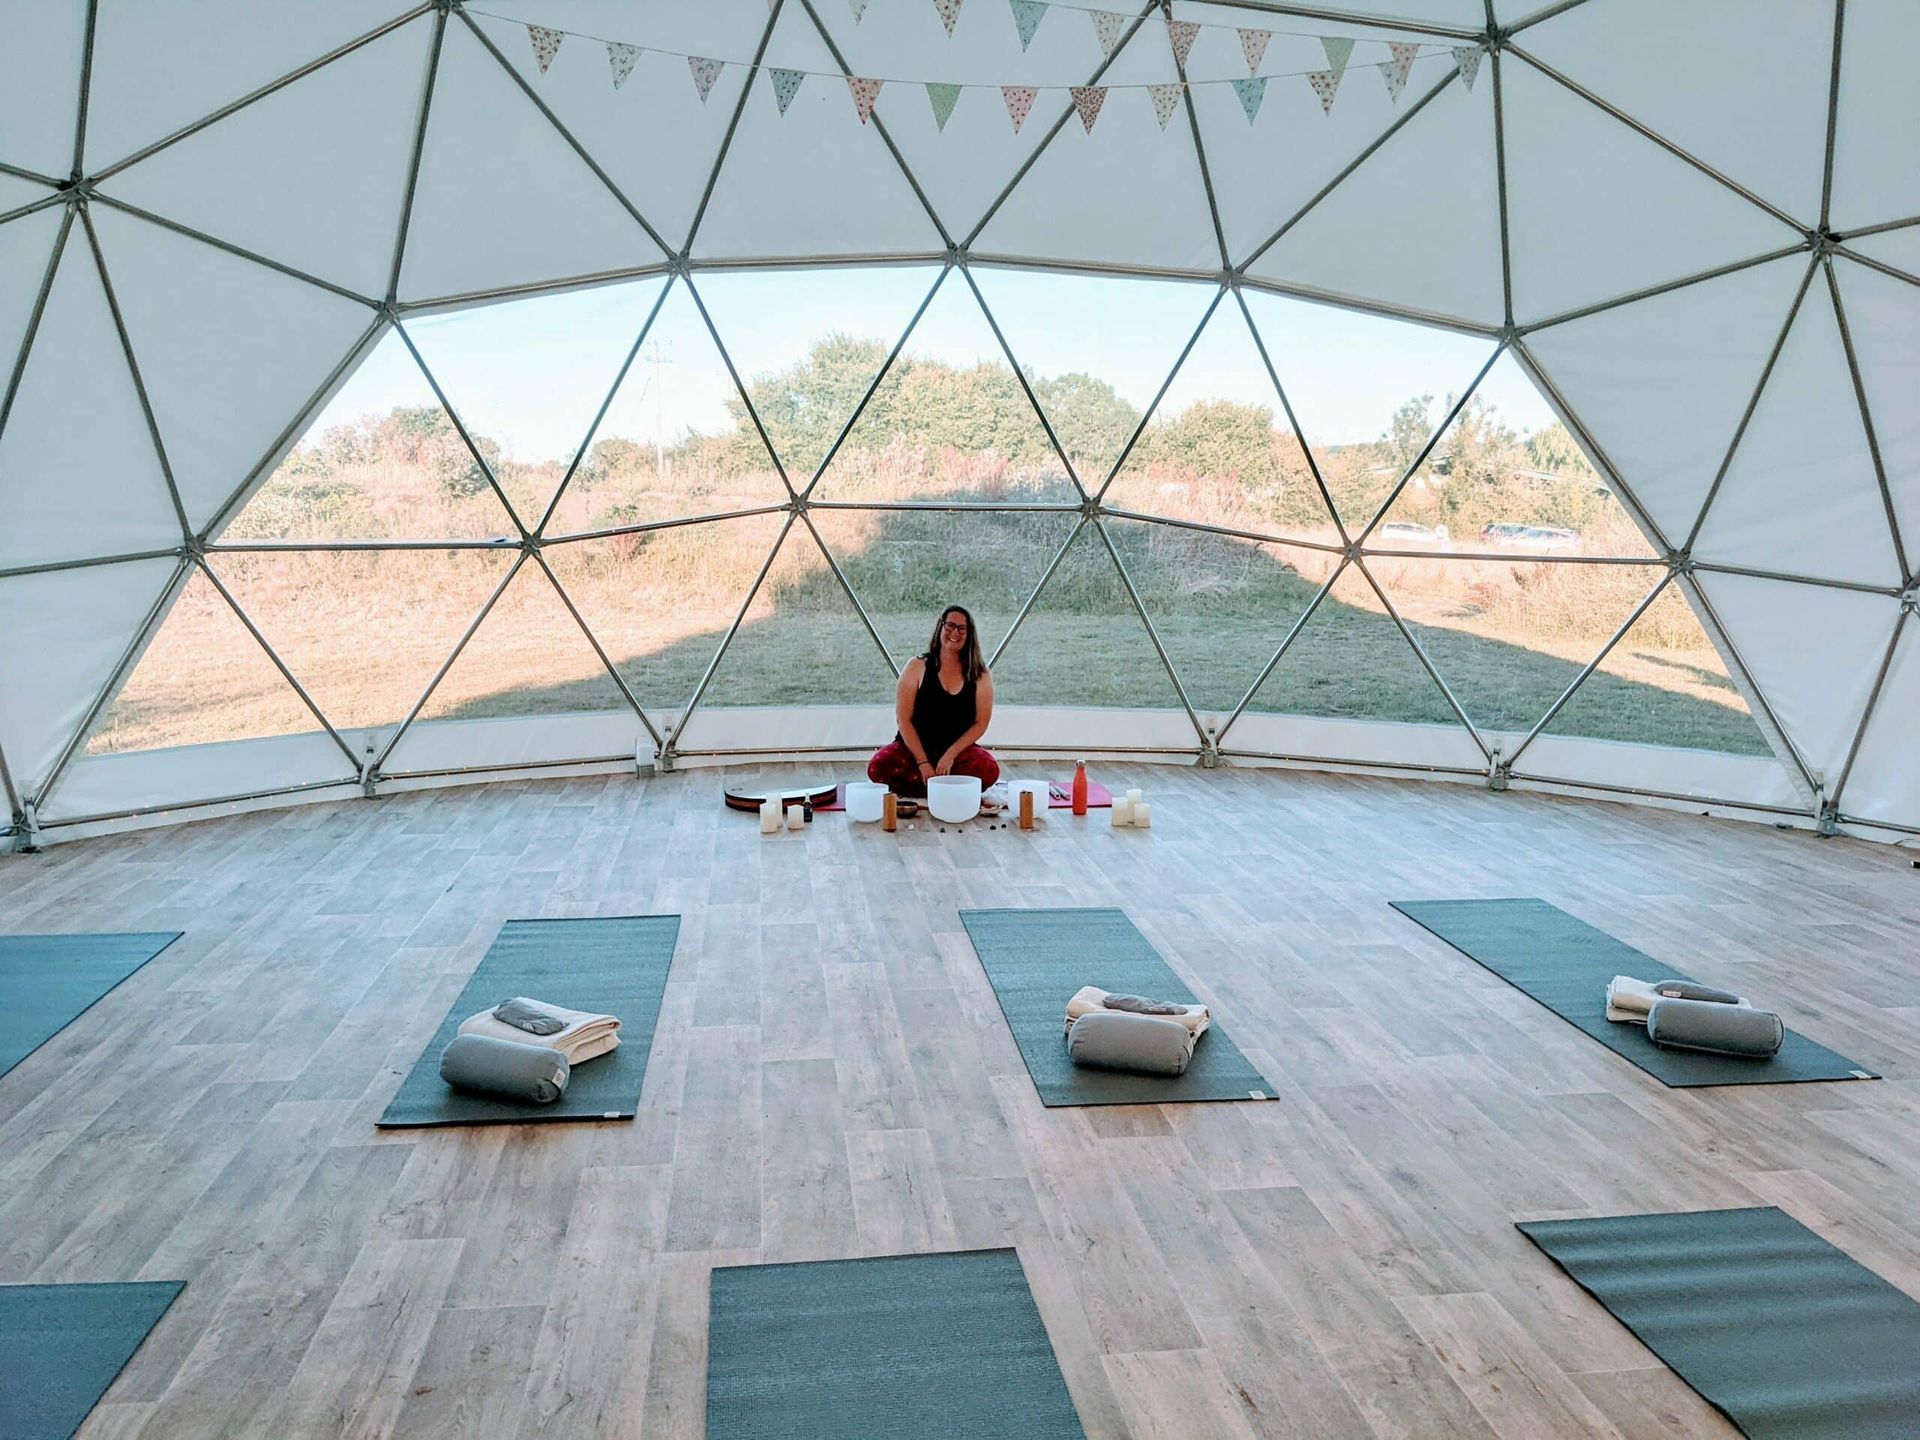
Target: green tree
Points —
{"points": [[1092, 421]]}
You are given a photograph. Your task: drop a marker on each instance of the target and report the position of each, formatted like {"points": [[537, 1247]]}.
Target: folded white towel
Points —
{"points": [[585, 1035], [1629, 1000], [1090, 998]]}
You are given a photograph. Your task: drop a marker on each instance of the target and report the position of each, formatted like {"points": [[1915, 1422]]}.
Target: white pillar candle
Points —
{"points": [[1143, 815], [1133, 797], [1122, 812], [796, 817], [769, 816]]}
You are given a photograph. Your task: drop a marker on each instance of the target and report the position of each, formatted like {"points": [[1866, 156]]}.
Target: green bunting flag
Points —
{"points": [[786, 85], [1339, 49], [1027, 15], [1251, 93], [942, 98]]}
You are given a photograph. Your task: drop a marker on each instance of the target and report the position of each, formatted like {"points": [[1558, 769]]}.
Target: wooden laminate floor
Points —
{"points": [[832, 1077]]}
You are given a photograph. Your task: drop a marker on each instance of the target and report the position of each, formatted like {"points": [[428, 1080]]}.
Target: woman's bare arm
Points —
{"points": [[903, 697]]}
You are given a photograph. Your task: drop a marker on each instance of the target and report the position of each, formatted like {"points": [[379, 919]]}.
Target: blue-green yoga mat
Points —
{"points": [[62, 1345], [1565, 964], [909, 1347], [613, 967], [1036, 959], [1785, 1335], [48, 981]]}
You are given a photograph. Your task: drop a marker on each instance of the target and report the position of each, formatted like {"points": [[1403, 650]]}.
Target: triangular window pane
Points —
{"points": [[1097, 351], [676, 441], [363, 630], [808, 353], [528, 376], [1663, 684], [1219, 449], [383, 461], [801, 641], [659, 601], [1220, 604], [202, 679], [1083, 642], [950, 422], [1508, 480]]}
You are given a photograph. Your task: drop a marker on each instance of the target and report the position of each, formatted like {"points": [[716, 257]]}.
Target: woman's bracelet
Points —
{"points": [[928, 763]]}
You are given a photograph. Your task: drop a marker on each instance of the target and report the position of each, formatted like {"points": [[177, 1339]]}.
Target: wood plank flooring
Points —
{"points": [[832, 1077]]}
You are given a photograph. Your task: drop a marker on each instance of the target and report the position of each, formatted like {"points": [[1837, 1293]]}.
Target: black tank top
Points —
{"points": [[938, 717]]}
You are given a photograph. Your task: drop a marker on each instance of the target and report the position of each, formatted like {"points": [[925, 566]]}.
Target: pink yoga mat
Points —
{"points": [[1098, 797]]}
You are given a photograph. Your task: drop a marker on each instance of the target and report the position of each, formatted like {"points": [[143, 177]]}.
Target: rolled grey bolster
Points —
{"points": [[1715, 1028], [1694, 990], [1116, 1040], [505, 1067]]}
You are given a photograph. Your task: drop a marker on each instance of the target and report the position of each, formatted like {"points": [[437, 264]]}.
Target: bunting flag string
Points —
{"points": [[546, 44], [1324, 83], [943, 98], [786, 85], [1251, 93], [705, 72], [949, 13], [1087, 100], [1253, 45], [1107, 28], [1165, 97], [1398, 68], [1027, 15], [621, 58], [865, 92], [1180, 34], [1467, 58], [1339, 50], [1019, 100]]}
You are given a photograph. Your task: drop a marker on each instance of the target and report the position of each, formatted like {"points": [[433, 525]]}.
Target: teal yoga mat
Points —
{"points": [[1036, 959], [615, 967], [64, 1344], [1784, 1334], [48, 981], [910, 1347], [1565, 964]]}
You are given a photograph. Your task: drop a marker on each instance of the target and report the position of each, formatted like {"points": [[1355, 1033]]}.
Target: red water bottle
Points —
{"points": [[1079, 787]]}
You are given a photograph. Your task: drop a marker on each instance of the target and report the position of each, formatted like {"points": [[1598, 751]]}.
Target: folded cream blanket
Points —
{"points": [[582, 1036], [1629, 1000], [1091, 998]]}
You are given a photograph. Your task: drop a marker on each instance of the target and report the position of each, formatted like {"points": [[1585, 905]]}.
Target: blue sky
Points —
{"points": [[531, 373]]}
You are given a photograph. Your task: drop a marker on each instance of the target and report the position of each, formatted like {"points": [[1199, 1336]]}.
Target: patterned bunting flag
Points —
{"points": [[546, 45], [943, 98], [1165, 97], [949, 13], [1399, 67], [1087, 99], [1467, 57], [1339, 48], [1027, 15], [1107, 25], [621, 58], [1324, 83], [859, 8], [786, 85], [1253, 45], [1019, 100], [1180, 33], [865, 92], [1251, 93], [705, 72]]}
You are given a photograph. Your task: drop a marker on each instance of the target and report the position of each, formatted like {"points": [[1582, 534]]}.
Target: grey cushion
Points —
{"points": [[1115, 1040], [1715, 1028], [1694, 990], [505, 1067]]}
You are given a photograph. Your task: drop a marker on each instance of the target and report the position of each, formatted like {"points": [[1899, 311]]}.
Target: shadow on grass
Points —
{"points": [[1221, 606]]}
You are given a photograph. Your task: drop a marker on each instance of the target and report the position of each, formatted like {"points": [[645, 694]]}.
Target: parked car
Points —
{"points": [[1405, 535], [1535, 539], [1500, 532]]}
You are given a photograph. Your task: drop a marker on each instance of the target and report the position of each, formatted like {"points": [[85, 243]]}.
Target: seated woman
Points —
{"points": [[943, 702]]}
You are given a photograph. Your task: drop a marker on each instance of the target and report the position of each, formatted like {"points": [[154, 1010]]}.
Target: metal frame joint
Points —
{"points": [[1680, 562], [1091, 509], [1827, 820]]}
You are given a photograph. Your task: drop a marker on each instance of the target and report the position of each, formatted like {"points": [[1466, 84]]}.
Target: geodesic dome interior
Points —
{"points": [[1467, 387]]}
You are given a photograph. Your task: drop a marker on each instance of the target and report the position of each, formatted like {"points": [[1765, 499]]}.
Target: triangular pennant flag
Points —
{"points": [[1087, 99], [1339, 48], [1165, 97], [1027, 15], [1467, 57], [1324, 83], [786, 85], [949, 13], [1180, 33], [621, 58], [859, 8], [865, 92], [1251, 93], [1253, 44], [942, 98], [546, 44], [1107, 25], [1019, 100], [1399, 67], [705, 72]]}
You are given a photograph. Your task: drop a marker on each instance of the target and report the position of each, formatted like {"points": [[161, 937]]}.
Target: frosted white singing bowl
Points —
{"points": [[865, 800], [954, 798]]}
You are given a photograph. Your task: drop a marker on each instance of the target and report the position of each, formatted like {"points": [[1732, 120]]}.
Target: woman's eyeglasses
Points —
{"points": [[955, 627]]}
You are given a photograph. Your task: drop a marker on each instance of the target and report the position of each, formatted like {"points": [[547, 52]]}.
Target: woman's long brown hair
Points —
{"points": [[971, 665]]}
